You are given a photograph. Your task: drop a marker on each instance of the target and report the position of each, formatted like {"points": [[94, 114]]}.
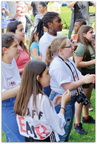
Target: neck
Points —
{"points": [[7, 60], [63, 57], [52, 33], [44, 13]]}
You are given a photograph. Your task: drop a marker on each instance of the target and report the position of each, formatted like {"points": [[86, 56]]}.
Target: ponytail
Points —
{"points": [[39, 29], [49, 55]]}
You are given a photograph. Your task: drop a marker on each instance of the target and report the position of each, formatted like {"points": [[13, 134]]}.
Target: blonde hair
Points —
{"points": [[52, 50]]}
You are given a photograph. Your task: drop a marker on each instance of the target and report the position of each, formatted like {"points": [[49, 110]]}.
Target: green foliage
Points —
{"points": [[65, 14], [92, 9], [3, 137]]}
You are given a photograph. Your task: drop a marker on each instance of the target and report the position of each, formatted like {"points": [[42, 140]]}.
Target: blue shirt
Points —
{"points": [[4, 19], [34, 45]]}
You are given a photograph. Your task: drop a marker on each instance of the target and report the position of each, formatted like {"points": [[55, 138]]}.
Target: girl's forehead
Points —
{"points": [[19, 26]]}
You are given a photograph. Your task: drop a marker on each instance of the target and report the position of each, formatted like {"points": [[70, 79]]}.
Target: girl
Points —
{"points": [[42, 9], [17, 28], [10, 87], [64, 75], [37, 119], [34, 45], [85, 60], [52, 22]]}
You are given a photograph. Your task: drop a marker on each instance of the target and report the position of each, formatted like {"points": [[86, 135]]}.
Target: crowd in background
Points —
{"points": [[47, 78]]}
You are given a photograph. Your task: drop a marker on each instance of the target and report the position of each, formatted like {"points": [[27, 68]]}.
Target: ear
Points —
{"points": [[38, 77], [60, 51], [49, 24], [5, 50], [83, 34]]}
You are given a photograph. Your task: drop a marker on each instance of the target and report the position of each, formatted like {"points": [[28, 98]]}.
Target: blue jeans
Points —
{"points": [[69, 115], [9, 124]]}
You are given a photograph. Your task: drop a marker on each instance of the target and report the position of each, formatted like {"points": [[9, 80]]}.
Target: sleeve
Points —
{"points": [[56, 121], [33, 46], [61, 76], [3, 83], [80, 51]]}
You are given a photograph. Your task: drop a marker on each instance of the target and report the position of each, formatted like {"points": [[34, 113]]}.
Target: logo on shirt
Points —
{"points": [[30, 128]]}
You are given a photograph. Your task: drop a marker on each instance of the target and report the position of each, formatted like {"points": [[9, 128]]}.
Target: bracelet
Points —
{"points": [[63, 108]]}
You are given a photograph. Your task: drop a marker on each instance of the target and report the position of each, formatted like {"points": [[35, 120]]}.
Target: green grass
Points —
{"points": [[90, 128]]}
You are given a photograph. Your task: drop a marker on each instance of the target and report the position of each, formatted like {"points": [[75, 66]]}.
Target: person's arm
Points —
{"points": [[35, 54], [80, 63], [71, 4], [10, 93], [83, 80], [6, 11]]}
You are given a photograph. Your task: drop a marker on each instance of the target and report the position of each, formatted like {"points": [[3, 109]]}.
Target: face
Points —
{"points": [[45, 79], [89, 35], [68, 50], [57, 24], [13, 50], [20, 32], [77, 27], [41, 8]]}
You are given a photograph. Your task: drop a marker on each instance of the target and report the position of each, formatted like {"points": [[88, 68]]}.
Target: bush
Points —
{"points": [[65, 14]]}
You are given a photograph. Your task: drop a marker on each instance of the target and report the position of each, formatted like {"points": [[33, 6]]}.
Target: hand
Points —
{"points": [[89, 78], [4, 8], [93, 61], [65, 98], [57, 100], [94, 78]]}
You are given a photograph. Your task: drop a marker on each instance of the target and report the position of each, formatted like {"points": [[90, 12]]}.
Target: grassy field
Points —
{"points": [[90, 128]]}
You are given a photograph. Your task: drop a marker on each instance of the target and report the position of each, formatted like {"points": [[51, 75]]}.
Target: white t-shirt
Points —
{"points": [[37, 18], [44, 42], [10, 76], [60, 73], [40, 126]]}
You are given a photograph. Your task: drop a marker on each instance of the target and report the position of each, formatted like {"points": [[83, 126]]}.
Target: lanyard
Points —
{"points": [[71, 70]]}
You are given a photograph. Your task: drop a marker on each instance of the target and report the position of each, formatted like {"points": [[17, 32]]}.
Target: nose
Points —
{"points": [[19, 48]]}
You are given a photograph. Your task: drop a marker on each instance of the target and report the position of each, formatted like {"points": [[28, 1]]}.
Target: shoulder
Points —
{"points": [[34, 45], [44, 38], [80, 51], [56, 63]]}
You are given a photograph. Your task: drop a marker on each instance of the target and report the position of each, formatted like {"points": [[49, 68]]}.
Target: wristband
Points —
{"points": [[63, 108]]}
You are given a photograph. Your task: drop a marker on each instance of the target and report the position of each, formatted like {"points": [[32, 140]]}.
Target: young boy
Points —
{"points": [[77, 25]]}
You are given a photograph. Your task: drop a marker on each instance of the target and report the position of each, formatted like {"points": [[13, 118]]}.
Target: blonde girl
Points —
{"points": [[65, 75]]}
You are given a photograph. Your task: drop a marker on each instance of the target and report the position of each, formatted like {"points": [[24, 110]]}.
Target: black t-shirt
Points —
{"points": [[81, 10]]}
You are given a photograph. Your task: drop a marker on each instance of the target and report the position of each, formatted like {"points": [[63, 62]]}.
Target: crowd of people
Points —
{"points": [[48, 82]]}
